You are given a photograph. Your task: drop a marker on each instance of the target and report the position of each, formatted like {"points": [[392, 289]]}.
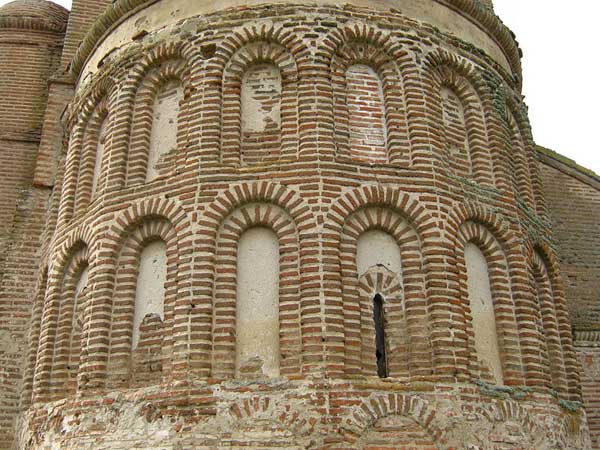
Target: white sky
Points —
{"points": [[560, 46]]}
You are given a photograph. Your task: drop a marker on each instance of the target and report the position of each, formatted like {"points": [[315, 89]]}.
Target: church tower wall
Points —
{"points": [[31, 33]]}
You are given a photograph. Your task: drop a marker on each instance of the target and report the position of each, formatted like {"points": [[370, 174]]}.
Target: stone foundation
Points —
{"points": [[307, 414]]}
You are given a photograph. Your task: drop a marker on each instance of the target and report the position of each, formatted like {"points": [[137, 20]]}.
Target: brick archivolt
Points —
{"points": [[122, 370], [210, 322], [209, 119], [544, 267], [360, 43], [224, 290], [81, 161], [279, 414], [502, 297], [547, 316], [484, 423], [524, 164], [415, 353], [445, 70], [176, 61], [471, 9], [516, 306], [59, 348], [380, 406], [231, 113], [263, 42], [239, 208], [402, 217], [107, 323]]}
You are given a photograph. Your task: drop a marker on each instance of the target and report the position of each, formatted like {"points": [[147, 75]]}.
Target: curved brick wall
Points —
{"points": [[322, 125]]}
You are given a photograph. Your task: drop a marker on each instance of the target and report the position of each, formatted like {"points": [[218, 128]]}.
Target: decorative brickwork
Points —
{"points": [[288, 226], [460, 92]]}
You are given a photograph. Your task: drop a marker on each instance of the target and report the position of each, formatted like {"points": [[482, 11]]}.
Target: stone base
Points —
{"points": [[308, 414]]}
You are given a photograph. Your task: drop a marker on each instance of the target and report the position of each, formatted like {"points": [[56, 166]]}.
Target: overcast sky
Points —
{"points": [[560, 46]]}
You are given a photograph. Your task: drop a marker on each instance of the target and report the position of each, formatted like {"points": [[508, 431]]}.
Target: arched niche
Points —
{"points": [[257, 305], [259, 105], [548, 328], [483, 312], [455, 132], [150, 292], [260, 113], [100, 150], [366, 114], [163, 135], [377, 248], [370, 109], [383, 321], [518, 161]]}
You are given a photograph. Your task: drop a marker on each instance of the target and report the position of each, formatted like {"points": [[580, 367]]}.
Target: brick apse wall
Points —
{"points": [[291, 226]]}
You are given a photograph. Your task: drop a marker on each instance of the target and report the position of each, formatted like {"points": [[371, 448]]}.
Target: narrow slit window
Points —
{"points": [[380, 353]]}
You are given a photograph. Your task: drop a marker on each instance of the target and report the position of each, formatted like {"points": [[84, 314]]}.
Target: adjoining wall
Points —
{"points": [[82, 16], [574, 203], [573, 197]]}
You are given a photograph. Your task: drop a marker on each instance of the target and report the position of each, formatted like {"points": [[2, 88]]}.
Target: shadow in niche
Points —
{"points": [[380, 354]]}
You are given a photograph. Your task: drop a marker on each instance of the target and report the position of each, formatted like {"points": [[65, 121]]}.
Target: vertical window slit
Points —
{"points": [[378, 318]]}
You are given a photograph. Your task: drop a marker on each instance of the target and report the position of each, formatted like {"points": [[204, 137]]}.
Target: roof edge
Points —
{"points": [[568, 166]]}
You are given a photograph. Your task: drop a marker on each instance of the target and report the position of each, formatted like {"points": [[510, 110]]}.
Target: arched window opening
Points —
{"points": [[455, 132], [149, 310], [483, 312], [380, 341], [100, 147], [379, 270], [366, 114], [261, 113], [257, 307], [163, 136]]}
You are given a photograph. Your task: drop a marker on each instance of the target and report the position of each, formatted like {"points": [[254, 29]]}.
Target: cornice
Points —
{"points": [[586, 338], [32, 23]]}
